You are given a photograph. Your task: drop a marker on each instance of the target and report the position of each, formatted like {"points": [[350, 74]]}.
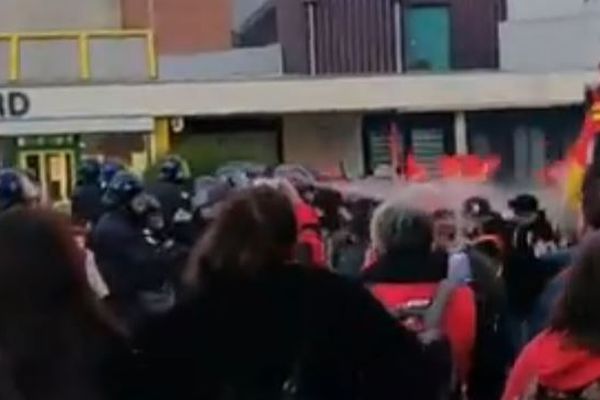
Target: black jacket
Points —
{"points": [[172, 197], [86, 204], [243, 339], [129, 260], [175, 199]]}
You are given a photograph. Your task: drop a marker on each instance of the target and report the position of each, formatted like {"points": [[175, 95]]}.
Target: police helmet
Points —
{"points": [[11, 189], [174, 169], [108, 171], [89, 172], [235, 177], [209, 191], [122, 189], [16, 188]]}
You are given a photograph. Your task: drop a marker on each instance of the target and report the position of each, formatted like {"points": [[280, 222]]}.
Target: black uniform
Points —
{"points": [[175, 202], [133, 262], [86, 204]]}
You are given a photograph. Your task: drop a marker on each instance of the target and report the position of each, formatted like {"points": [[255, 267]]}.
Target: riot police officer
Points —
{"points": [[16, 189], [133, 254], [108, 170], [86, 201], [171, 190]]}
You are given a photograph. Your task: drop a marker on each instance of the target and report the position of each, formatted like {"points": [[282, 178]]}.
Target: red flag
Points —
{"points": [[450, 167], [469, 167], [415, 172]]}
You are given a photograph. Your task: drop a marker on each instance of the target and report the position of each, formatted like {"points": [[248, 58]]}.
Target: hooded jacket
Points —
{"points": [[552, 362], [401, 278]]}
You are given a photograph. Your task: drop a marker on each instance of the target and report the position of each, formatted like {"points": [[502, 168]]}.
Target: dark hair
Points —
{"points": [[590, 193], [577, 313], [255, 229], [46, 312]]}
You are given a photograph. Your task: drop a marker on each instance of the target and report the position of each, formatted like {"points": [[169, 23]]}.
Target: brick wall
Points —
{"points": [[183, 26]]}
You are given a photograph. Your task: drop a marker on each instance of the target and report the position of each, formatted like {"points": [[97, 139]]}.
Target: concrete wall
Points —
{"points": [[285, 95], [553, 44], [246, 62], [323, 141], [532, 9], [41, 15], [57, 61], [183, 26], [527, 9]]}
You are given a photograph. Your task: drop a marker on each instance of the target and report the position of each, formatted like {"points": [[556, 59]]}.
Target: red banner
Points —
{"points": [[469, 167]]}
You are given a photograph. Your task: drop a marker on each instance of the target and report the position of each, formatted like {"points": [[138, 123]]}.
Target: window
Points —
{"points": [[427, 38]]}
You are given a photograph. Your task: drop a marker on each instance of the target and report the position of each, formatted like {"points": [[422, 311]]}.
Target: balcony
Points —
{"points": [[77, 56]]}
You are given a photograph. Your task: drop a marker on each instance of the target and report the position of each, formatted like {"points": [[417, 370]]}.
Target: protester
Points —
{"points": [[525, 271], [407, 273], [258, 326], [86, 201], [563, 361], [350, 245], [445, 230], [486, 253], [328, 202], [533, 231], [560, 261], [310, 249], [54, 333], [475, 212]]}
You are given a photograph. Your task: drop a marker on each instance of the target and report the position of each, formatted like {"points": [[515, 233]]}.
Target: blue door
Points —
{"points": [[427, 38]]}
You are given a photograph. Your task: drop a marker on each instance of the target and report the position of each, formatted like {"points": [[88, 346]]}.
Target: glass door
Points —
{"points": [[54, 171]]}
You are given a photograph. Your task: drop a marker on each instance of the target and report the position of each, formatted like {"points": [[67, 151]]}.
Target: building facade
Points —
{"points": [[182, 26], [361, 75], [551, 35], [385, 36], [81, 42], [539, 36]]}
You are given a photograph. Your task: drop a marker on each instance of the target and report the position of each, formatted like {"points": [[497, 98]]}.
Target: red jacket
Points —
{"points": [[553, 363], [459, 322], [309, 233]]}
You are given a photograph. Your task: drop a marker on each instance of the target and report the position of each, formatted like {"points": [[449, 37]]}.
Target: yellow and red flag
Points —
{"points": [[581, 154]]}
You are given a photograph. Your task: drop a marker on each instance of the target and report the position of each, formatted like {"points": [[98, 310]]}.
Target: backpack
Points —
{"points": [[425, 318], [538, 392]]}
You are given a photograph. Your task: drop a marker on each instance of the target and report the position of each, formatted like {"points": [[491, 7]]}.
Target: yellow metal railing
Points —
{"points": [[83, 39]]}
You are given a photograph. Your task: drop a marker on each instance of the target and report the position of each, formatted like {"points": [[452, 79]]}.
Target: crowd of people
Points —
{"points": [[258, 283]]}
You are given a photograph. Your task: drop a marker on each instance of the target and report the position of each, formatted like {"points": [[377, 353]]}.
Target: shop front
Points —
{"points": [[52, 160], [51, 156]]}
